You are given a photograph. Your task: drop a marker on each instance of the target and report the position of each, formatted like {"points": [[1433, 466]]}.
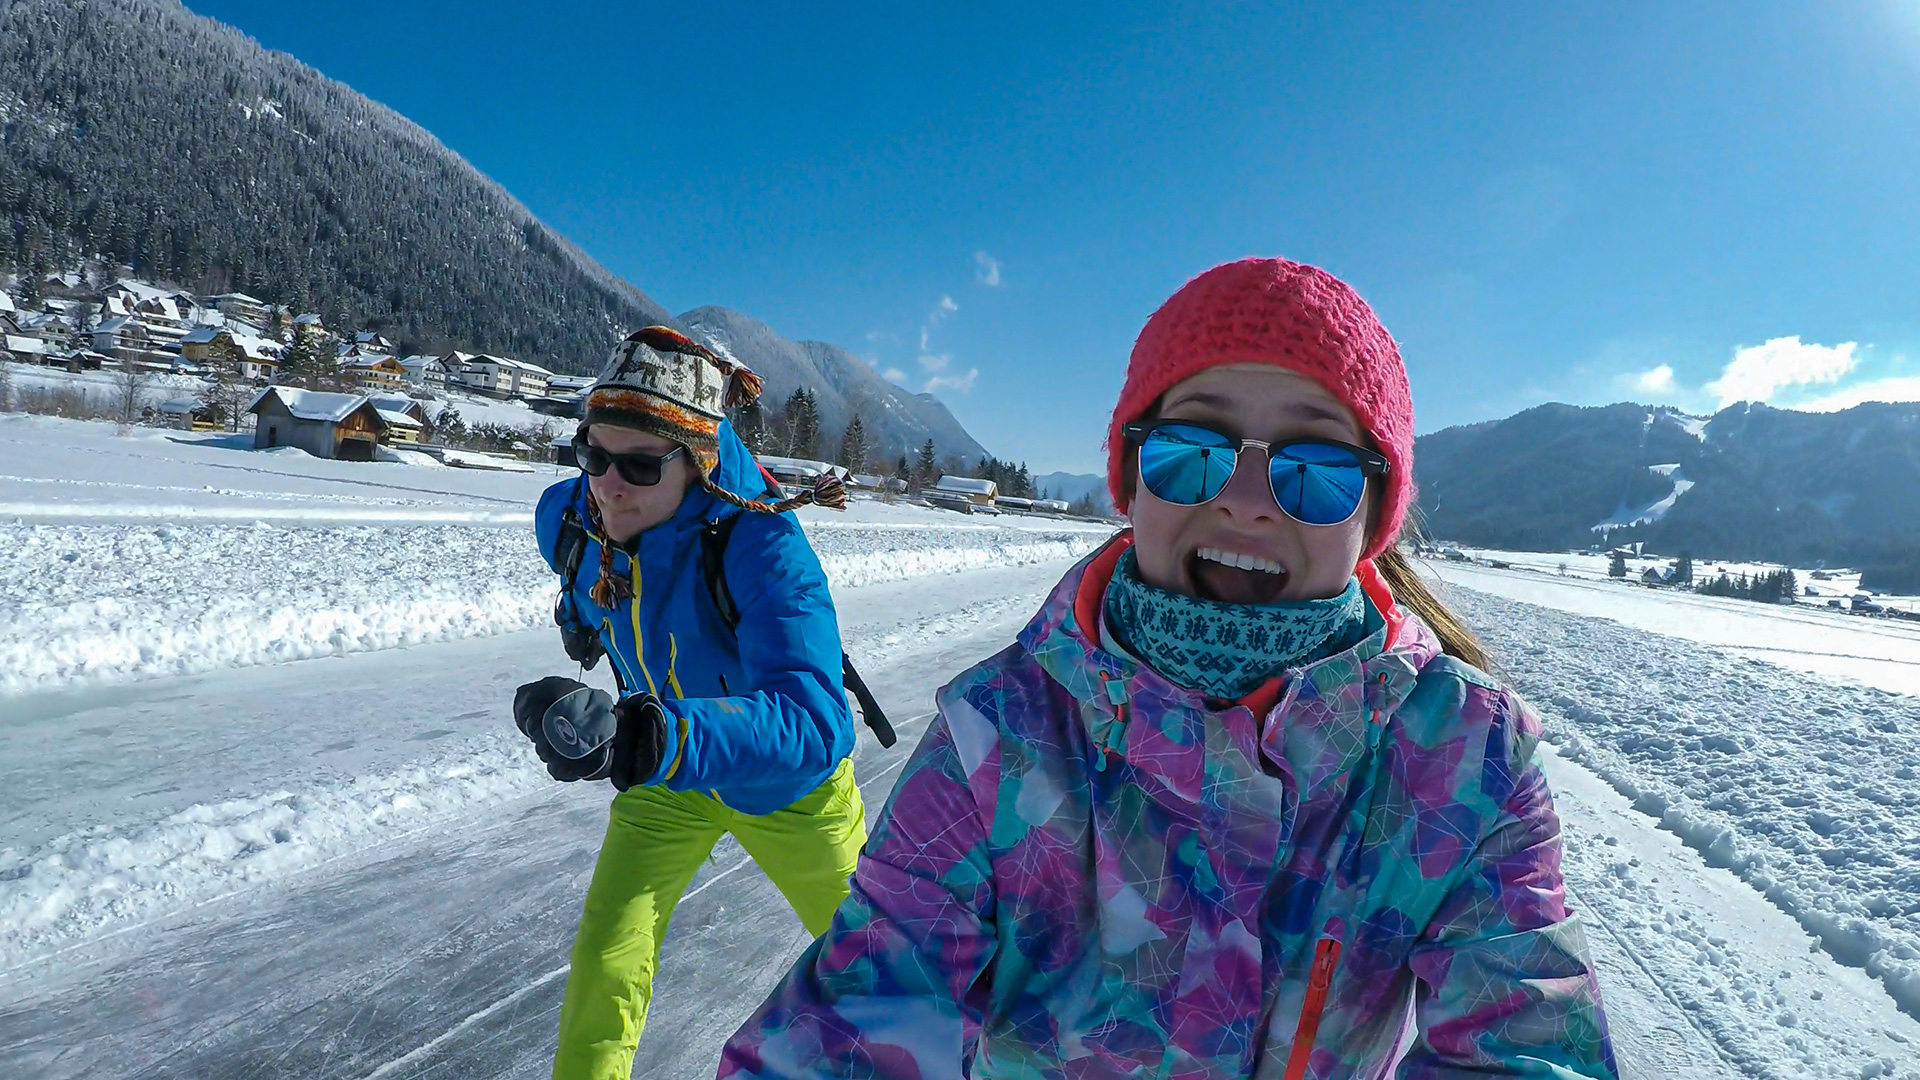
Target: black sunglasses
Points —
{"points": [[640, 470]]}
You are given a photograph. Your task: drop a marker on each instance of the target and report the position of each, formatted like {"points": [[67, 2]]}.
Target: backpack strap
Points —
{"points": [[713, 557], [713, 565], [582, 642]]}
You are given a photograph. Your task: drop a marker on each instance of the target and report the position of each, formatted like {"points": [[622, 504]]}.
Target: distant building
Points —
{"points": [[504, 377], [344, 426], [974, 490], [426, 371], [216, 348], [237, 305], [374, 370], [123, 338]]}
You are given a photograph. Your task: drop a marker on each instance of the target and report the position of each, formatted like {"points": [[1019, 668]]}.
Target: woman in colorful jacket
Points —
{"points": [[1242, 800], [742, 729]]}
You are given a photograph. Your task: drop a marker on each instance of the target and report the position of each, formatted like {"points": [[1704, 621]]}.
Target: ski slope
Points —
{"points": [[260, 817]]}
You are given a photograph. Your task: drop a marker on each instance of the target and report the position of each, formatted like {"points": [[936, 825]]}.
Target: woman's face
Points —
{"points": [[627, 511], [1179, 548]]}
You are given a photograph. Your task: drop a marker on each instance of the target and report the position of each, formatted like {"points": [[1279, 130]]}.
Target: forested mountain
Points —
{"points": [[176, 145], [897, 421], [1751, 482]]}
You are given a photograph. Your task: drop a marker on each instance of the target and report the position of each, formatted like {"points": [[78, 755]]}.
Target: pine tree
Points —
{"points": [[1618, 568], [750, 423], [299, 361], [925, 472], [802, 421], [853, 445]]}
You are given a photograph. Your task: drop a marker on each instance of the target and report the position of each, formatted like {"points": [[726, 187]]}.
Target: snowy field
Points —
{"points": [[263, 810]]}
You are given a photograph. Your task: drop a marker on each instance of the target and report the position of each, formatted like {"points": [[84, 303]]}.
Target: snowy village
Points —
{"points": [[1235, 542]]}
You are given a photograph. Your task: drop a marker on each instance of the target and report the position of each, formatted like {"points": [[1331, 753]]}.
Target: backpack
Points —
{"points": [[584, 646]]}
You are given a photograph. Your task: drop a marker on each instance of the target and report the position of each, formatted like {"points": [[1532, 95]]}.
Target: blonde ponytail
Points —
{"points": [[1410, 591]]}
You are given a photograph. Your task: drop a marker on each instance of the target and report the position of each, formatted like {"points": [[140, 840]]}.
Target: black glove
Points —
{"points": [[582, 734]]}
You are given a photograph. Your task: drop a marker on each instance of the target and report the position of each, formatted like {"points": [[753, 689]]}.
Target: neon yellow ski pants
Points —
{"points": [[655, 841]]}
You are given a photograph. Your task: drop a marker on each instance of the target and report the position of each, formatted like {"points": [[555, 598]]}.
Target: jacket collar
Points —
{"points": [[1315, 722]]}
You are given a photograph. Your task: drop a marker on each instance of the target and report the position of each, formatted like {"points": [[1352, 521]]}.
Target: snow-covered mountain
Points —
{"points": [[1751, 482], [1071, 486], [176, 144], [897, 420]]}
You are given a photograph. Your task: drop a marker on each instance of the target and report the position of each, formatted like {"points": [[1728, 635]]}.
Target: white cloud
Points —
{"points": [[1894, 388], [895, 376], [962, 383], [1757, 372], [935, 361], [1656, 381], [986, 269]]}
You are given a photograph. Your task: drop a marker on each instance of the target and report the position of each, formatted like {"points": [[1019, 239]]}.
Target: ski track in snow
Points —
{"points": [[1802, 787], [113, 603], [112, 878]]}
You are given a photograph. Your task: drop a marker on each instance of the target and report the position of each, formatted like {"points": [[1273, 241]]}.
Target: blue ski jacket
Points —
{"points": [[760, 713]]}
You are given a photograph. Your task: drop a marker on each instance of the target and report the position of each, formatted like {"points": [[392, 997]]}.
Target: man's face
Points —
{"points": [[627, 511]]}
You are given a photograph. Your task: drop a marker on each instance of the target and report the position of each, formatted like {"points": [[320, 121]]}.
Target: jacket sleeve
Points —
{"points": [[894, 989], [790, 721], [1507, 987]]}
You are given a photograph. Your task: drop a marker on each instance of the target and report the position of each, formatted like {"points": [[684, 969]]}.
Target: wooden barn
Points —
{"points": [[343, 426]]}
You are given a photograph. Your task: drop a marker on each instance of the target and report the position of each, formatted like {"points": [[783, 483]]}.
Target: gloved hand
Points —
{"points": [[582, 734]]}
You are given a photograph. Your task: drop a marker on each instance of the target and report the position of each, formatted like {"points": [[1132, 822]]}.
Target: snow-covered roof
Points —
{"points": [[201, 335], [6, 301], [307, 319], [15, 343], [396, 419], [311, 404], [967, 485], [121, 324], [393, 402], [368, 360], [237, 297], [140, 290], [179, 406]]}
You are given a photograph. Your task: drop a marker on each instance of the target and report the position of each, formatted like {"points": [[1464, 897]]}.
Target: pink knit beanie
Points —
{"points": [[1290, 315]]}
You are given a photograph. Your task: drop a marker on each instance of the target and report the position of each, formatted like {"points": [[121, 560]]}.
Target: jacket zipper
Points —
{"points": [[1326, 957]]}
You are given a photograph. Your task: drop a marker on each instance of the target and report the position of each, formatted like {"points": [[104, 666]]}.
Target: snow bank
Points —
{"points": [[84, 882], [1804, 788], [85, 604]]}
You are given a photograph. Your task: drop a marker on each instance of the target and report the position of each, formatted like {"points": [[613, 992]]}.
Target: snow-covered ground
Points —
{"points": [[263, 812]]}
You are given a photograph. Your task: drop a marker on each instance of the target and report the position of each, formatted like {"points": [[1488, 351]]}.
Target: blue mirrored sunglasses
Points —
{"points": [[1315, 481]]}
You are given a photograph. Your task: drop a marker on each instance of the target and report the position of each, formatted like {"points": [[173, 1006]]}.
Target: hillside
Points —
{"points": [[896, 419], [179, 146], [1751, 482]]}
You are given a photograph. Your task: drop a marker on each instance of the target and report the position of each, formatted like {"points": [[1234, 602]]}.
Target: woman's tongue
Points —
{"points": [[1232, 585]]}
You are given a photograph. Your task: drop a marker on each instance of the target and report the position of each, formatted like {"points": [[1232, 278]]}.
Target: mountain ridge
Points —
{"points": [[1749, 482]]}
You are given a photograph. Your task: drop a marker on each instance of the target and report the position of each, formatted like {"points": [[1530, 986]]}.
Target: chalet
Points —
{"points": [[309, 326], [401, 427], [425, 371], [372, 341], [54, 329], [399, 403], [374, 370], [567, 385], [237, 305], [123, 338], [798, 473], [186, 414], [343, 426], [24, 349], [217, 348], [974, 490]]}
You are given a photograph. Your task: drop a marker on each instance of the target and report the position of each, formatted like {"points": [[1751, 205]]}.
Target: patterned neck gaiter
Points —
{"points": [[1226, 650]]}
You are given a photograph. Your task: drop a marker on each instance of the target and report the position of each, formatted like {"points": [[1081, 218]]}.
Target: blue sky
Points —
{"points": [[1687, 204]]}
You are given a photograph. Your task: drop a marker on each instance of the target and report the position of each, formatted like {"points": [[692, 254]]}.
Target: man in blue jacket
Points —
{"points": [[727, 721]]}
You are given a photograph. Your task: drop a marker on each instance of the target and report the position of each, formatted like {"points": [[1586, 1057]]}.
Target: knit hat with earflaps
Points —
{"points": [[1293, 316], [662, 382]]}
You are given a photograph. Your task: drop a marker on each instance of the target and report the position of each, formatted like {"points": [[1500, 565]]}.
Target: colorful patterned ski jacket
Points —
{"points": [[1086, 871]]}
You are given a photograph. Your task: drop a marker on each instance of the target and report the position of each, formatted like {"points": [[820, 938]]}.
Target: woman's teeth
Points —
{"points": [[1241, 562]]}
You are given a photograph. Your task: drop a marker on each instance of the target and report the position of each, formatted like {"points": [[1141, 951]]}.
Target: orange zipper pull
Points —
{"points": [[1326, 957]]}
